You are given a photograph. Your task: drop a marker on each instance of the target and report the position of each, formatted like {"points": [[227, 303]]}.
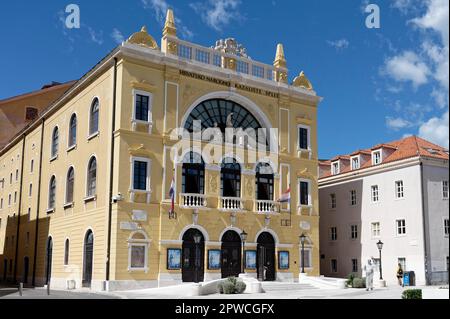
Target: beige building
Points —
{"points": [[18, 111], [85, 190]]}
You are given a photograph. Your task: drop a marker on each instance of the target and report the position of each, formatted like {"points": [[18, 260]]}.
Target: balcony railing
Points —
{"points": [[193, 200], [266, 206], [215, 58], [231, 203]]}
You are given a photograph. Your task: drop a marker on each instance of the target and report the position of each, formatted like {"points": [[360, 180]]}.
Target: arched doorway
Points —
{"points": [[88, 257], [48, 261], [193, 269], [231, 254], [265, 259], [26, 265]]}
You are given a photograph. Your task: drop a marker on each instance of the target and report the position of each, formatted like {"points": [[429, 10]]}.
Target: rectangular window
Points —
{"points": [[354, 265], [9, 200], [29, 213], [374, 193], [334, 265], [376, 229], [354, 231], [445, 189], [304, 193], [142, 107], [303, 137], [1, 203], [401, 227], [333, 233], [446, 227], [402, 262], [399, 193], [30, 190], [140, 170], [137, 258], [335, 168], [376, 158], [355, 163], [15, 197], [353, 197], [332, 201]]}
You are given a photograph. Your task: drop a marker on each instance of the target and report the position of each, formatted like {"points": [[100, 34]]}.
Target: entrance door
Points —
{"points": [[193, 256], [88, 256], [26, 265], [231, 254], [48, 259], [266, 257]]}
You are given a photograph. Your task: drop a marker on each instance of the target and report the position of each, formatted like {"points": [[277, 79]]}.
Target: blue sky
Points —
{"points": [[378, 84]]}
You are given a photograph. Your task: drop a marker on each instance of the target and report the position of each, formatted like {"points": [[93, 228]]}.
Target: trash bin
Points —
{"points": [[409, 278]]}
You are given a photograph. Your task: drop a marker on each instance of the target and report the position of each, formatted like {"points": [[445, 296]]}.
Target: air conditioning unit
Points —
{"points": [[71, 284]]}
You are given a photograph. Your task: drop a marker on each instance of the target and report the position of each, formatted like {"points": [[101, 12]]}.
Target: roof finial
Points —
{"points": [[280, 59], [169, 27]]}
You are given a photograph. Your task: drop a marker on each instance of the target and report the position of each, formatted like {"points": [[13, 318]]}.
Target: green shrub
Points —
{"points": [[349, 281], [412, 294], [231, 286], [359, 283], [228, 288], [240, 287]]}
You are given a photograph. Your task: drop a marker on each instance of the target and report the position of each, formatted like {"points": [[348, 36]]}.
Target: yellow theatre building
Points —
{"points": [[87, 188]]}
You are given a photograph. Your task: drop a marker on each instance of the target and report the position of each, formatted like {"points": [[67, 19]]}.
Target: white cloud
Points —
{"points": [[406, 67], [436, 18], [397, 123], [405, 6], [436, 130], [117, 36], [96, 37], [340, 44], [218, 13]]}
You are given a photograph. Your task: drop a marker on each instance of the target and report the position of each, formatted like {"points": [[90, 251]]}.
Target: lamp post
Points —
{"points": [[243, 239], [380, 247], [197, 240], [302, 241]]}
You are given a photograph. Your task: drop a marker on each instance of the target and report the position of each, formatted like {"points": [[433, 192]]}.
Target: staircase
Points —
{"points": [[285, 286]]}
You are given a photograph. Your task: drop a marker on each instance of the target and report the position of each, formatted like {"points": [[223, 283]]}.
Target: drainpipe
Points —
{"points": [[111, 175], [38, 195], [19, 211], [424, 224]]}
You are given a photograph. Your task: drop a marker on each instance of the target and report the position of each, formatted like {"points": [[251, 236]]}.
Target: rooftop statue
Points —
{"points": [[231, 46]]}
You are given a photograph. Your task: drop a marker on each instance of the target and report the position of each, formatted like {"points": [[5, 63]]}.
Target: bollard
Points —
{"points": [[21, 289]]}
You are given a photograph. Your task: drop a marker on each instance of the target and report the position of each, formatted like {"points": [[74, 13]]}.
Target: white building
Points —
{"points": [[397, 193]]}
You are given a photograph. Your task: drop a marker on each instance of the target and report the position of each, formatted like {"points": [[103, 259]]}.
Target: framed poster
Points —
{"points": [[214, 259], [250, 259], [283, 260], [173, 258]]}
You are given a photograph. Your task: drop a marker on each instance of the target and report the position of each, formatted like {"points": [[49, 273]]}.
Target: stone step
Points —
{"points": [[274, 286]]}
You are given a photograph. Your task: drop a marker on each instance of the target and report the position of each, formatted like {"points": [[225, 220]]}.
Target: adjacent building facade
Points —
{"points": [[396, 193], [93, 194]]}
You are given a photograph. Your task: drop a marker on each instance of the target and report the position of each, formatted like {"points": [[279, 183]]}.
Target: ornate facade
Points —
{"points": [[87, 189]]}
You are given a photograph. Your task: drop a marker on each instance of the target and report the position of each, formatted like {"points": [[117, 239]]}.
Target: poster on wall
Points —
{"points": [[283, 260], [173, 259], [250, 259], [213, 259]]}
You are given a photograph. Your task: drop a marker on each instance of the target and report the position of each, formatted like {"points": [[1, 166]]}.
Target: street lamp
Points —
{"points": [[302, 241], [243, 239], [197, 240], [380, 247]]}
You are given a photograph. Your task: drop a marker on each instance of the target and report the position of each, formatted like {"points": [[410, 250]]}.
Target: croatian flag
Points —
{"points": [[286, 196], [172, 195]]}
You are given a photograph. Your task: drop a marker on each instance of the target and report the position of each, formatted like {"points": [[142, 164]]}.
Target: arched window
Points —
{"points": [[138, 251], [55, 141], [93, 117], [73, 130], [264, 182], [70, 185], [193, 181], [52, 193], [92, 177], [66, 252], [230, 178]]}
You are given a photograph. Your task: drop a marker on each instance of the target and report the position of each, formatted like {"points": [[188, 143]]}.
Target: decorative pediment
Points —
{"points": [[142, 85], [302, 82], [139, 151], [305, 173], [304, 119]]}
